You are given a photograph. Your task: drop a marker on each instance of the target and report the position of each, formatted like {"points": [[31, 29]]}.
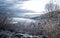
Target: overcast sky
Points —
{"points": [[25, 8]]}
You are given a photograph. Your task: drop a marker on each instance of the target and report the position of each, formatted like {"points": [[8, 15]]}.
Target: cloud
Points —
{"points": [[35, 5], [15, 7]]}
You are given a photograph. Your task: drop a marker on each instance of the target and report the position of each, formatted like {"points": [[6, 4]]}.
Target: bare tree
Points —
{"points": [[51, 7], [4, 18], [50, 26]]}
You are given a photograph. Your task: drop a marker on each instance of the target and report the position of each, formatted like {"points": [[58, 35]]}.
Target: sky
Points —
{"points": [[25, 8]]}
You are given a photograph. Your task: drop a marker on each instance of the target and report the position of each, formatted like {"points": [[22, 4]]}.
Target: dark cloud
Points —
{"points": [[9, 5], [21, 11], [4, 4]]}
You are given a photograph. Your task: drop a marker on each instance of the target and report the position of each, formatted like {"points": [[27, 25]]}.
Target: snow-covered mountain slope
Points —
{"points": [[22, 20]]}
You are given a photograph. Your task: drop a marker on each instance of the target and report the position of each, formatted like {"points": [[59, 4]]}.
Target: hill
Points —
{"points": [[50, 24]]}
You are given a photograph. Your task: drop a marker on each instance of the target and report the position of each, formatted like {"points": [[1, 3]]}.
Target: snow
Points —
{"points": [[22, 20]]}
